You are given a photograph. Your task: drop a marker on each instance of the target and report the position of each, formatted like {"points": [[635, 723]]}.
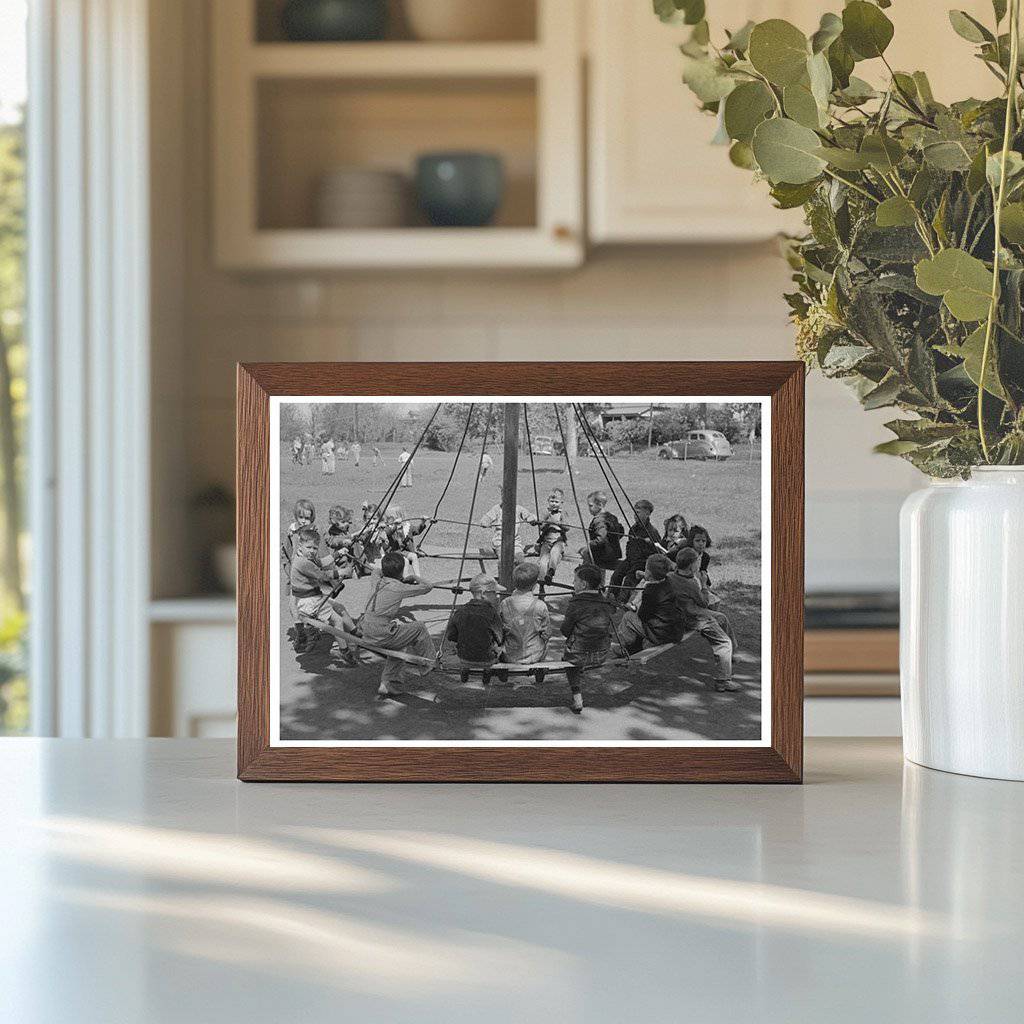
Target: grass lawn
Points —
{"points": [[667, 699]]}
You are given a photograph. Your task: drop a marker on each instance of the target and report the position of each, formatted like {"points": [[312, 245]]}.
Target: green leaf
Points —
{"points": [[976, 173], [971, 352], [895, 447], [963, 281], [857, 91], [779, 51], [801, 106], [739, 41], [924, 88], [923, 431], [829, 29], [841, 63], [787, 151], [969, 28], [844, 159], [947, 156], [866, 29], [819, 74], [787, 196], [745, 108], [690, 12], [1012, 223], [741, 155], [895, 212], [707, 78], [999, 9], [993, 167], [885, 394], [922, 185], [883, 152]]}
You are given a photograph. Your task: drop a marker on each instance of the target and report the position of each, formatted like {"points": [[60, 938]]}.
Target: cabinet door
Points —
{"points": [[654, 176]]}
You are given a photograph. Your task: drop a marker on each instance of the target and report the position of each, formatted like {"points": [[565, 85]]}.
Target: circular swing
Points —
{"points": [[538, 670]]}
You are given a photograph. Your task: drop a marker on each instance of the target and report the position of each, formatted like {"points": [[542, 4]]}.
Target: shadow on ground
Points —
{"points": [[670, 698]]}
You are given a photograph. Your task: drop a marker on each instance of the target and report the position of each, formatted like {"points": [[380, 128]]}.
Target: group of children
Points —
{"points": [[659, 591], [306, 448]]}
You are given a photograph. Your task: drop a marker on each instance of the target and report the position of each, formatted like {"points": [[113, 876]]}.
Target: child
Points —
{"points": [[486, 465], [328, 462], [297, 449], [399, 534], [406, 460], [356, 449], [303, 514], [380, 626], [642, 542], [313, 587], [605, 533], [371, 534], [700, 541], [588, 626], [476, 628], [676, 536], [378, 459], [525, 619], [491, 520], [551, 545], [657, 619], [693, 598]]}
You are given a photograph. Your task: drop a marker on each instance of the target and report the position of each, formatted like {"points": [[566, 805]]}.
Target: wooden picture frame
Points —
{"points": [[778, 759]]}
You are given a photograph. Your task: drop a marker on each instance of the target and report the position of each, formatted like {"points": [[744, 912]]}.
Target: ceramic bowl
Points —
{"points": [[460, 189], [333, 21]]}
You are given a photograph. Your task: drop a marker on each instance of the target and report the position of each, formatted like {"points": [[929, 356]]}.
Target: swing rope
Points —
{"points": [[605, 466], [589, 557], [465, 542], [403, 467], [451, 476], [533, 468], [598, 454], [572, 482]]}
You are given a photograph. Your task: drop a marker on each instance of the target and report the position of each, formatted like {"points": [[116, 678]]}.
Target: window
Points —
{"points": [[14, 695]]}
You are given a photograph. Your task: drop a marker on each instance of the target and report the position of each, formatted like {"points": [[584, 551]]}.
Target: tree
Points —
{"points": [[12, 350]]}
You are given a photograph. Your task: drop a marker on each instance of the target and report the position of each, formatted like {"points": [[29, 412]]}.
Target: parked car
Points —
{"points": [[698, 444], [543, 445]]}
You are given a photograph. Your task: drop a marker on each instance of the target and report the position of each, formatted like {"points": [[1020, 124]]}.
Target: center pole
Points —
{"points": [[509, 488]]}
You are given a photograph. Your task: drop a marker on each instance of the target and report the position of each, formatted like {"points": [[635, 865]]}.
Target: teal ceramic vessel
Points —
{"points": [[334, 21], [460, 189]]}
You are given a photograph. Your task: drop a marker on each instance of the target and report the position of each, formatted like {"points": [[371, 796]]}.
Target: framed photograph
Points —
{"points": [[564, 572]]}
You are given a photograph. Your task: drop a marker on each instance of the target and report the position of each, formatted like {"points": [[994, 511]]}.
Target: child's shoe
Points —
{"points": [[727, 685]]}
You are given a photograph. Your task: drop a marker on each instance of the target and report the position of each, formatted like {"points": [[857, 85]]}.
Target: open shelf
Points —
{"points": [[286, 114], [391, 60]]}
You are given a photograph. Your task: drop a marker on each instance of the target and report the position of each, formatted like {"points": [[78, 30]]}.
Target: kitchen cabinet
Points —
{"points": [[288, 114], [653, 175]]}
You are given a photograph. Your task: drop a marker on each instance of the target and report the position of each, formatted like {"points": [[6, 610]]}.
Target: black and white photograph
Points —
{"points": [[560, 572]]}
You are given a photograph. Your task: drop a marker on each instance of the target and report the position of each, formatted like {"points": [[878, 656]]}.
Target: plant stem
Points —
{"points": [[1011, 108], [853, 185]]}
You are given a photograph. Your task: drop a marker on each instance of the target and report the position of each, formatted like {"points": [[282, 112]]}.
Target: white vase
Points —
{"points": [[962, 624]]}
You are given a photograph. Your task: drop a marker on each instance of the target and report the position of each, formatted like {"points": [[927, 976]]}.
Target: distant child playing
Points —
{"points": [[588, 627], [525, 620]]}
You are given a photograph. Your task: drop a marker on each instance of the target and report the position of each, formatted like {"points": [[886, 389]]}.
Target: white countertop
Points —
{"points": [[140, 882]]}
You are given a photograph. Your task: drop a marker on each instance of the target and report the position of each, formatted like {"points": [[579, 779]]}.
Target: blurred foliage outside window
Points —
{"points": [[14, 540]]}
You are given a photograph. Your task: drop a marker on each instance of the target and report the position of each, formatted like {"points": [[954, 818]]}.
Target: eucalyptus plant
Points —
{"points": [[910, 277]]}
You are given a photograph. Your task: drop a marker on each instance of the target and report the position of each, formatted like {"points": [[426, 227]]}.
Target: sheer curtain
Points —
{"points": [[88, 301]]}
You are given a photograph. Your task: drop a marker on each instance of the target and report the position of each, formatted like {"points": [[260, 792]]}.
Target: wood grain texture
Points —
{"points": [[780, 762]]}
